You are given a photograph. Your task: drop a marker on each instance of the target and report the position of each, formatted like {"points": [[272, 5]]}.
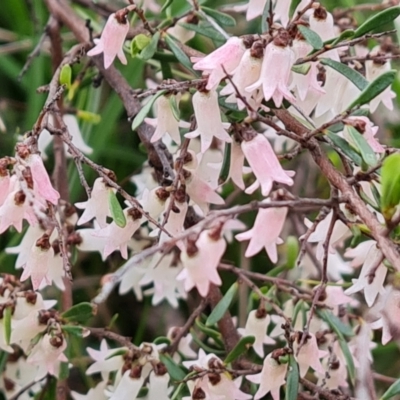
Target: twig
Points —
{"points": [[181, 332]]}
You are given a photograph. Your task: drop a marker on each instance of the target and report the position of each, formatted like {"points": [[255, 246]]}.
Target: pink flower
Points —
{"points": [[372, 71], [166, 123], [200, 260], [270, 379], [228, 56], [97, 206], [360, 253], [339, 234], [236, 164], [245, 75], [389, 321], [14, 210], [368, 130], [256, 325], [4, 186], [255, 8], [372, 286], [281, 11], [308, 82], [265, 165], [208, 118], [41, 181], [265, 232], [111, 41], [39, 262], [127, 388], [275, 74], [309, 355], [48, 354], [117, 237], [201, 193]]}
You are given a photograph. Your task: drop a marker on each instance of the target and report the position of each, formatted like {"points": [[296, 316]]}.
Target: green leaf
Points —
{"points": [[335, 323], [174, 107], [166, 5], [375, 88], [117, 214], [178, 52], [382, 18], [390, 185], [212, 333], [223, 306], [344, 146], [142, 114], [358, 141], [66, 76], [64, 371], [162, 340], [138, 43], [88, 116], [3, 360], [151, 48], [175, 372], [292, 252], [349, 359], [351, 74], [292, 379], [204, 346], [79, 313], [301, 68], [205, 29], [73, 330], [222, 18], [242, 346], [7, 316], [311, 37], [347, 34], [293, 6], [264, 17], [392, 391]]}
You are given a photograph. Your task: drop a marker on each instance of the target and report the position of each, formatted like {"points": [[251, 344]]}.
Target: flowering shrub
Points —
{"points": [[246, 224]]}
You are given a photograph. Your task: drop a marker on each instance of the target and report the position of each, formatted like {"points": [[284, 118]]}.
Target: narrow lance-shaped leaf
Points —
{"points": [[79, 313], [347, 34], [359, 142], [141, 115], [335, 323], [174, 107], [393, 390], [344, 146], [222, 18], [311, 37], [264, 18], [178, 52], [293, 6], [292, 379], [292, 252], [351, 74], [221, 308], [242, 346], [374, 89], [390, 185], [382, 18], [117, 214], [205, 29], [349, 359], [215, 335], [7, 316]]}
